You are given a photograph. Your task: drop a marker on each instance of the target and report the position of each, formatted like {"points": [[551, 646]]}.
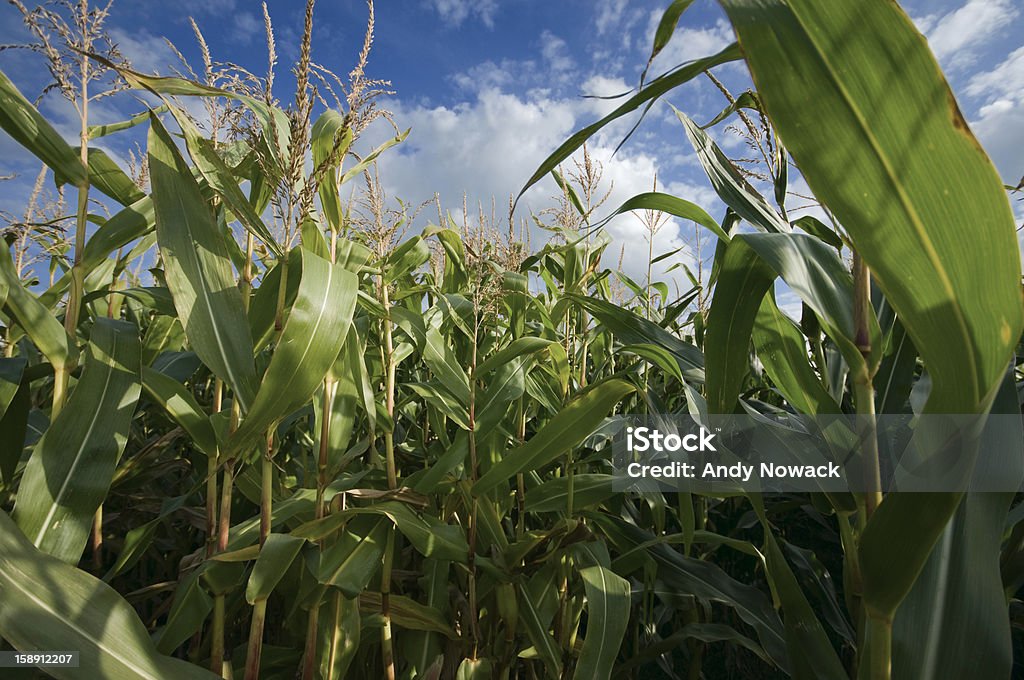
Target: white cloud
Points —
{"points": [[956, 36], [245, 27], [603, 86], [454, 12], [999, 124], [609, 15], [555, 52], [146, 52], [214, 7], [489, 145], [1005, 79]]}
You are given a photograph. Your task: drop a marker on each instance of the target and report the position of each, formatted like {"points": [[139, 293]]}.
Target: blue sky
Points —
{"points": [[491, 87]]}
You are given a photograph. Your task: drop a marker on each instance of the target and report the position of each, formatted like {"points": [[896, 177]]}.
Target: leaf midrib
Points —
{"points": [[42, 604], [81, 448]]}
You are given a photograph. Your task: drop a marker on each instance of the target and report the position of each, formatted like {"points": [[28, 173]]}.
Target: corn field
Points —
{"points": [[313, 443]]}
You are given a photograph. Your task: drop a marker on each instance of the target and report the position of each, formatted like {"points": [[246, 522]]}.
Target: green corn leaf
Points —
{"points": [[743, 279], [895, 377], [12, 396], [330, 140], [552, 495], [182, 407], [422, 649], [651, 91], [23, 122], [191, 606], [263, 304], [633, 329], [730, 185], [507, 384], [310, 343], [537, 631], [97, 131], [704, 580], [312, 239], [815, 273], [105, 175], [72, 466], [441, 360], [128, 224], [657, 355], [273, 120], [783, 352], [607, 617], [276, 556], [432, 537], [360, 167], [746, 100], [11, 371], [958, 599], [216, 172], [406, 258], [339, 631], [514, 350], [810, 652], [666, 28], [51, 605], [569, 191], [46, 332], [672, 205], [351, 562], [935, 228], [567, 429], [408, 614], [817, 228], [198, 270]]}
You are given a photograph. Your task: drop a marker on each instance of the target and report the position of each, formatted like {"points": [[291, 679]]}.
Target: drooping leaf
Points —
{"points": [[276, 556], [782, 350], [632, 329], [672, 205], [48, 604], [607, 618], [430, 536], [651, 91], [71, 467], [666, 28], [23, 122], [43, 328], [216, 172], [182, 407], [730, 185]]}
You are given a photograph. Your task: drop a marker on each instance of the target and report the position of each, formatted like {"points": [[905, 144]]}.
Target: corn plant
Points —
{"points": [[319, 446]]}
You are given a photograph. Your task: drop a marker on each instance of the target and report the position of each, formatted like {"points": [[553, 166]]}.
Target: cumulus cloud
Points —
{"points": [[454, 12], [955, 37], [610, 15], [245, 26], [555, 52], [490, 144], [999, 124], [146, 52]]}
